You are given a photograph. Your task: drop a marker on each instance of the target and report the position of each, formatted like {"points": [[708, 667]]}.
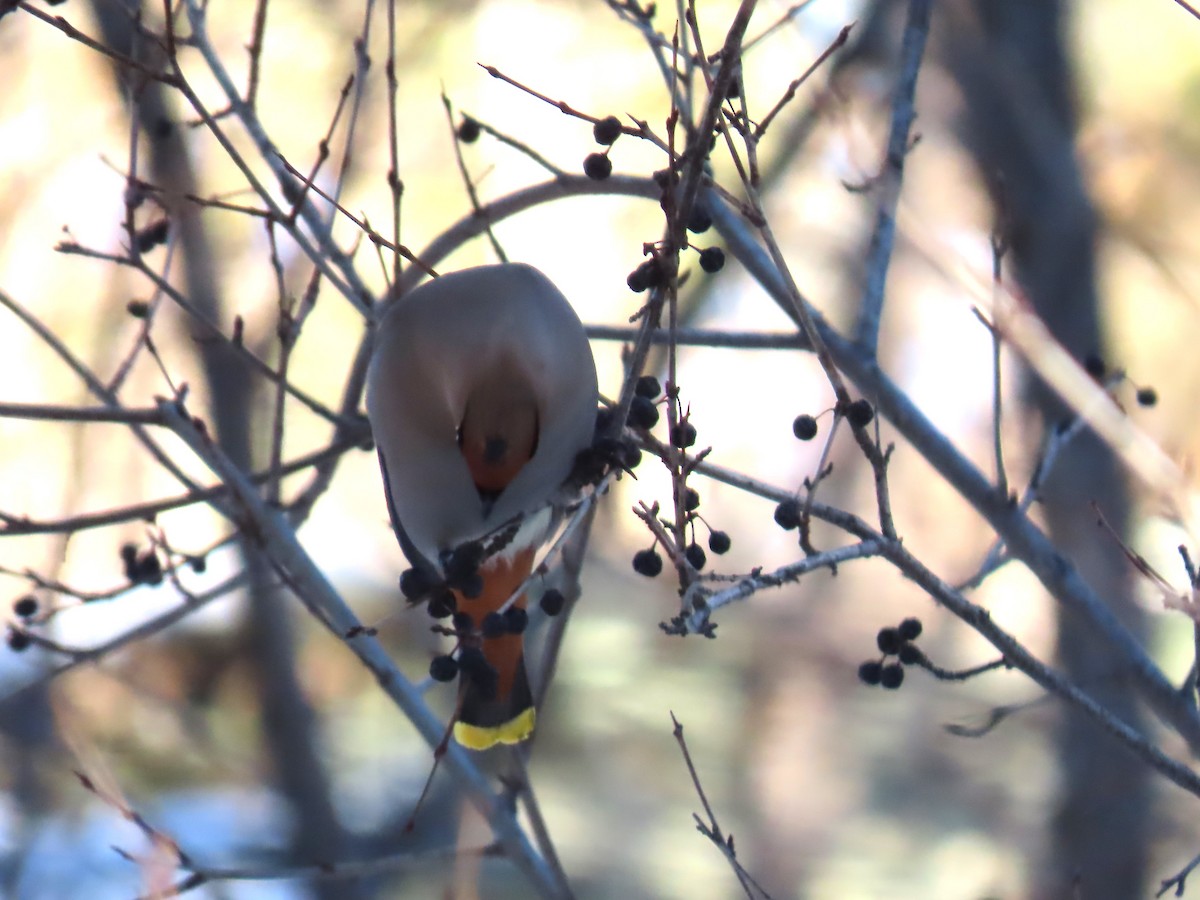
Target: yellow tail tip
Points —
{"points": [[480, 737]]}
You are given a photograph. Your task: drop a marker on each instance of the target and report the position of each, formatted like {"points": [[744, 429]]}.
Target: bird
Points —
{"points": [[481, 395]]}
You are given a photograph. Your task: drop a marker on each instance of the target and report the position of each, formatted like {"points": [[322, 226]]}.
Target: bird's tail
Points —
{"points": [[496, 703]]}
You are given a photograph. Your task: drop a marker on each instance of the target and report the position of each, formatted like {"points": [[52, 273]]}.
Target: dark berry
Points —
{"points": [[647, 562], [591, 463], [462, 562], [631, 456], [468, 130], [470, 586], [471, 659], [493, 625], [683, 435], [199, 564], [414, 584], [443, 668], [804, 427], [699, 221], [647, 386], [888, 640], [910, 654], [515, 620], [148, 569], [18, 640], [695, 556], [910, 629], [1147, 396], [552, 602], [892, 676], [647, 275], [719, 542], [442, 604], [787, 514], [870, 672], [1094, 366], [26, 607], [691, 499], [607, 130], [608, 448], [859, 413], [712, 259], [604, 419], [129, 559], [139, 309], [597, 166], [146, 239], [642, 413]]}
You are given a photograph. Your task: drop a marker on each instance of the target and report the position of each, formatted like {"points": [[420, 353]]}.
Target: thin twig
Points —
{"points": [[879, 255], [711, 829], [838, 43], [255, 49], [704, 606], [1195, 12], [704, 337], [395, 185], [11, 525], [324, 253], [1179, 879], [468, 182], [47, 413], [167, 78], [82, 656], [94, 385]]}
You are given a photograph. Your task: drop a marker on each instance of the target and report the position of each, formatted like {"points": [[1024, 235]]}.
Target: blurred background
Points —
{"points": [[252, 737]]}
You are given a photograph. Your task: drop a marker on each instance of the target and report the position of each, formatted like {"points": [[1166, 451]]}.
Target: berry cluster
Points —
{"points": [[462, 575], [607, 452], [789, 512], [597, 166], [472, 664], [24, 608], [897, 642], [651, 272], [858, 413], [468, 658], [649, 562], [643, 415]]}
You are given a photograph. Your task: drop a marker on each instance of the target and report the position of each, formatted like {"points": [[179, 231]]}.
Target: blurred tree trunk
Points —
{"points": [[1020, 126], [289, 724]]}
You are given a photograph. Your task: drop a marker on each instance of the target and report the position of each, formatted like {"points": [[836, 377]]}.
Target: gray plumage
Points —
{"points": [[489, 339]]}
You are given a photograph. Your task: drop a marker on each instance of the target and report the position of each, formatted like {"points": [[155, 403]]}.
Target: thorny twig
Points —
{"points": [[711, 829]]}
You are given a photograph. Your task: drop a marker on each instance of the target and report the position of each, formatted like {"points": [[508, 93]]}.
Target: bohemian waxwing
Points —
{"points": [[481, 394]]}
